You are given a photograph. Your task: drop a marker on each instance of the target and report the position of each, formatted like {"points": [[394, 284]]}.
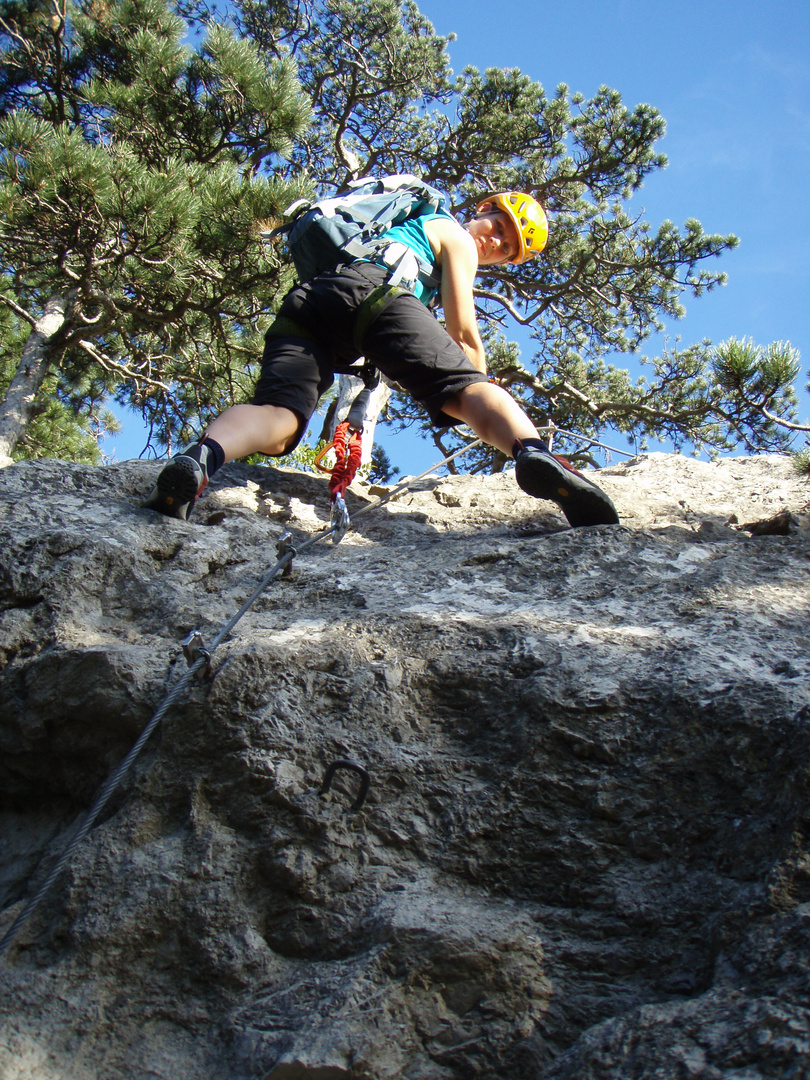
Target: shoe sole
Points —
{"points": [[176, 490], [582, 502]]}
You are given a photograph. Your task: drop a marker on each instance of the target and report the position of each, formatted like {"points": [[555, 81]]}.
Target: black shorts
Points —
{"points": [[404, 342]]}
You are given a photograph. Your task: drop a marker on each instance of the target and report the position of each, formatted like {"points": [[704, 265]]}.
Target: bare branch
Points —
{"points": [[17, 309], [784, 423]]}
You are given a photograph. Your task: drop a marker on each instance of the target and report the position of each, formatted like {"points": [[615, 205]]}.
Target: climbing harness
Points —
{"points": [[198, 658], [374, 304]]}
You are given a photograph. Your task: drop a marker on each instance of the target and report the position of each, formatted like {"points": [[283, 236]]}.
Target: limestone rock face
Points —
{"points": [[584, 851]]}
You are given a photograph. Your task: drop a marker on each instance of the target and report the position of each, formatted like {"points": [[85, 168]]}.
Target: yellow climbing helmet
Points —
{"points": [[529, 218]]}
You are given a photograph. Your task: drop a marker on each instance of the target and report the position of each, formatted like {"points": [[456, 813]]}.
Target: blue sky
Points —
{"points": [[732, 80]]}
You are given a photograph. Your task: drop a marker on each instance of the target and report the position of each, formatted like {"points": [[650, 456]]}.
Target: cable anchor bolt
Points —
{"points": [[194, 648], [285, 546]]}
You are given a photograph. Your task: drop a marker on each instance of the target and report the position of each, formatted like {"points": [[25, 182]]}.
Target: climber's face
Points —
{"points": [[495, 236]]}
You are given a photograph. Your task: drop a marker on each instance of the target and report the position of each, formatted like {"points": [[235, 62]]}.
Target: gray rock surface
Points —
{"points": [[584, 852]]}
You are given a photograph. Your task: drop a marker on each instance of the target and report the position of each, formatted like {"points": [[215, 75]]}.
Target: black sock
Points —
{"points": [[216, 455], [525, 444]]}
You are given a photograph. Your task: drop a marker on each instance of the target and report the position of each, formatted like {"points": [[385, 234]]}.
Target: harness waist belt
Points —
{"points": [[284, 327], [374, 304]]}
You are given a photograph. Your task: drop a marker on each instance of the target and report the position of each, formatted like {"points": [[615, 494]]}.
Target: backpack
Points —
{"points": [[325, 234]]}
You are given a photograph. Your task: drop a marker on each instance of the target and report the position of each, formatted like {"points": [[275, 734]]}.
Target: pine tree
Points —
{"points": [[382, 470], [130, 189], [134, 166]]}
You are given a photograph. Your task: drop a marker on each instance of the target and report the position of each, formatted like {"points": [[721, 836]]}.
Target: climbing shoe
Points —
{"points": [[546, 476], [182, 481]]}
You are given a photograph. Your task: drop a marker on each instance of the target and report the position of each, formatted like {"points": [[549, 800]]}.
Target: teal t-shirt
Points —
{"points": [[412, 234]]}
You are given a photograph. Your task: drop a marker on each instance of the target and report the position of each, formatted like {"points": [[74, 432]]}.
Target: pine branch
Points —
{"points": [[18, 310], [784, 423]]}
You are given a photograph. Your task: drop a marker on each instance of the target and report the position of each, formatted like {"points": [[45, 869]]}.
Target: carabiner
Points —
{"points": [[321, 455], [340, 521]]}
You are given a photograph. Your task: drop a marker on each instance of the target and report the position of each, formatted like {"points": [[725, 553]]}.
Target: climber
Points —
{"points": [[443, 368]]}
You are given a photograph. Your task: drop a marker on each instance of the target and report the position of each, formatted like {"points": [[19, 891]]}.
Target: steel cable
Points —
{"points": [[195, 667]]}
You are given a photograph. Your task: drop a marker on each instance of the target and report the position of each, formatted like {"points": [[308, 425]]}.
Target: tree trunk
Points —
{"points": [[16, 408]]}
